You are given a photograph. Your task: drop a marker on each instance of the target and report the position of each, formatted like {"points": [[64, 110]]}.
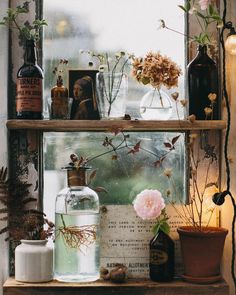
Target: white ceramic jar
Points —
{"points": [[33, 261]]}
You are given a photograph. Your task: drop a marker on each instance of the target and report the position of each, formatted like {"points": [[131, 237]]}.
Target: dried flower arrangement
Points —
{"points": [[156, 70], [23, 223], [114, 67]]}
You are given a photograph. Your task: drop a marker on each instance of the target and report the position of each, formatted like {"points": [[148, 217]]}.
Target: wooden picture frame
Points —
{"points": [[82, 88]]}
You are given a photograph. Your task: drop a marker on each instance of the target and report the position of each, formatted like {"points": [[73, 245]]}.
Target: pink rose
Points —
{"points": [[204, 4], [148, 204]]}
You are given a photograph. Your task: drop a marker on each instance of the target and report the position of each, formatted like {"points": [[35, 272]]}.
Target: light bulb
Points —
{"points": [[230, 44]]}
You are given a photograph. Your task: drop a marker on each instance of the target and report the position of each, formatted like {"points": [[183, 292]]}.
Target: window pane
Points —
{"points": [[140, 162], [111, 26]]}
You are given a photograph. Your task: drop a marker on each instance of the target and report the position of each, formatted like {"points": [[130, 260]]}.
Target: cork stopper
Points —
{"points": [[77, 177]]}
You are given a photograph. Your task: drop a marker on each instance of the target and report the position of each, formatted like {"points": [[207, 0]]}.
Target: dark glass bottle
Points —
{"points": [[202, 80], [29, 92], [162, 258]]}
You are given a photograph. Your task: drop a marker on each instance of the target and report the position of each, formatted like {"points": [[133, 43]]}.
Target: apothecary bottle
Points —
{"points": [[162, 258], [202, 80], [29, 86], [59, 108], [77, 251]]}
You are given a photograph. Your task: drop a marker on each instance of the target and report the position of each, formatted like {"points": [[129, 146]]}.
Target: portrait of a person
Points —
{"points": [[84, 105]]}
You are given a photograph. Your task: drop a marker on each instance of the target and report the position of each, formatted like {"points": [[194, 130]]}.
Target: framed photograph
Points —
{"points": [[82, 88]]}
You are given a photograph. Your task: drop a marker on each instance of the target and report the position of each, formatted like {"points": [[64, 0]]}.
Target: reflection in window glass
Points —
{"points": [[111, 26], [140, 162]]}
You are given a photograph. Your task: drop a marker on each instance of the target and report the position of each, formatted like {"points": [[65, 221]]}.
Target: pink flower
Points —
{"points": [[204, 4], [148, 204]]}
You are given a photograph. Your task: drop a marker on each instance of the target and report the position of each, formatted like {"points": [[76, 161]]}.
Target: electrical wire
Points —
{"points": [[226, 141]]}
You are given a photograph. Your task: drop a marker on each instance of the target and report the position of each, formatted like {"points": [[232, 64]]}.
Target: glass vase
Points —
{"points": [[112, 91], [162, 258], [77, 254], [203, 80], [156, 105]]}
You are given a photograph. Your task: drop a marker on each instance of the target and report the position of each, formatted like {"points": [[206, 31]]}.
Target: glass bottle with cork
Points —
{"points": [[77, 230], [29, 86], [60, 108]]}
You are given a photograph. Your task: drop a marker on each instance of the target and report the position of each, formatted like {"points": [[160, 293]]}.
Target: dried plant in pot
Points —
{"points": [[33, 259], [201, 243]]}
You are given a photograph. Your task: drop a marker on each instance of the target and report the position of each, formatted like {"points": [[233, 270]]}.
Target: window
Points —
{"points": [[111, 26]]}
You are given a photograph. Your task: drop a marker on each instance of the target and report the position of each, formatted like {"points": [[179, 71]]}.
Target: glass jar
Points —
{"points": [[77, 254], [112, 89]]}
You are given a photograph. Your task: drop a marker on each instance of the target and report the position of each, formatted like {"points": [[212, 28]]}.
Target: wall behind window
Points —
{"points": [[3, 136]]}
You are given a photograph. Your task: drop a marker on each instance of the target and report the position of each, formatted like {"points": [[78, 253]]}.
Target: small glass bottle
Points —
{"points": [[29, 86], [162, 258], [77, 231], [203, 80], [59, 108]]}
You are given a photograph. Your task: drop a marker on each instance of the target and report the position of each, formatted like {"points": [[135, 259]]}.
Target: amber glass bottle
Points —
{"points": [[60, 101], [29, 88], [202, 80], [162, 258]]}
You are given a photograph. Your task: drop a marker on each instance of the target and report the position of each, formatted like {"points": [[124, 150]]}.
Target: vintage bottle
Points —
{"points": [[162, 258], [29, 86], [202, 80], [77, 231], [59, 108]]}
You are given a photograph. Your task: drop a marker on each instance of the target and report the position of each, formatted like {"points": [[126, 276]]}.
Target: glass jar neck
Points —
{"points": [[30, 52], [76, 177]]}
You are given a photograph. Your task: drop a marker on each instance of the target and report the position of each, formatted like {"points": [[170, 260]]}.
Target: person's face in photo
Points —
{"points": [[77, 91]]}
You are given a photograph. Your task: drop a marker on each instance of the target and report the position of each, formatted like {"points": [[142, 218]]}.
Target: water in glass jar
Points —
{"points": [[77, 247]]}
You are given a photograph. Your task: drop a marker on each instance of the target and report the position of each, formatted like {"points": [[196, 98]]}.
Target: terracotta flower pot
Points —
{"points": [[202, 252]]}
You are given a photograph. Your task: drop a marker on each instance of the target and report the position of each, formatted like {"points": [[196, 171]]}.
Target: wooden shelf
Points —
{"points": [[106, 125], [140, 287]]}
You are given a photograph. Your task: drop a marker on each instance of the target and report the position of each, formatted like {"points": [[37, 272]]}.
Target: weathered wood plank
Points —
{"points": [[137, 287], [103, 125]]}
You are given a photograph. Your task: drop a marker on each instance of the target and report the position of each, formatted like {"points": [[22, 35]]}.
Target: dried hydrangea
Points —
{"points": [[156, 70]]}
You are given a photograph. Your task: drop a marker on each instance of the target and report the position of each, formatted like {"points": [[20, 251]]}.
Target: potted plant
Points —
{"points": [[201, 244], [33, 259]]}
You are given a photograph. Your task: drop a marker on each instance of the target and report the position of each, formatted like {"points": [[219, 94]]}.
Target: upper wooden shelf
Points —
{"points": [[106, 125]]}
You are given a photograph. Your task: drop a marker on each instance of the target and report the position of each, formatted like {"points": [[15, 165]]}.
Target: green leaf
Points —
{"points": [[183, 8], [211, 9], [145, 80], [165, 227]]}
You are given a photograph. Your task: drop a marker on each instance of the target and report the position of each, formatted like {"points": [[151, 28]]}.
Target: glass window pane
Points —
{"points": [[111, 26], [140, 161]]}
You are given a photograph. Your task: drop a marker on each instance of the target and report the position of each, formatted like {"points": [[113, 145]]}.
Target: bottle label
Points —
{"points": [[29, 94], [158, 257]]}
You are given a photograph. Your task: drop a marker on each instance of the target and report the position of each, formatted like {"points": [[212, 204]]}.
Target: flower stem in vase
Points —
{"points": [[160, 97]]}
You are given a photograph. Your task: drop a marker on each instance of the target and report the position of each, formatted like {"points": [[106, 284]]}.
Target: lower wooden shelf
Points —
{"points": [[137, 287]]}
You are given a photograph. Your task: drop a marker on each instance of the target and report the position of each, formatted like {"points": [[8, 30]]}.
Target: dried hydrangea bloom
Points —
{"points": [[156, 70], [148, 204]]}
